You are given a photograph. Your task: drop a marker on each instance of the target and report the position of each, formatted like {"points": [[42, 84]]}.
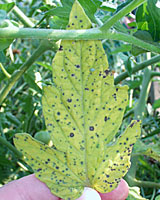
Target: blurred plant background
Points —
{"points": [[21, 110]]}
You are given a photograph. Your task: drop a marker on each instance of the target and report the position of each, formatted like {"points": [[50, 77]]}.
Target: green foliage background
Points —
{"points": [[21, 111]]}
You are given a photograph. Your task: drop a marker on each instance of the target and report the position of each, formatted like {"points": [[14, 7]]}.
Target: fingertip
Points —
{"points": [[32, 186], [89, 194], [120, 193]]}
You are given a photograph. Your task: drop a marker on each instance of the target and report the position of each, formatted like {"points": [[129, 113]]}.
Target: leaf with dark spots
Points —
{"points": [[83, 113]]}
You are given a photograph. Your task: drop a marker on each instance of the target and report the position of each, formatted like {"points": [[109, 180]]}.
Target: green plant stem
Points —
{"points": [[133, 168], [124, 11], [21, 16], [128, 113], [137, 68], [44, 46], [153, 194], [89, 34], [39, 22], [155, 74], [4, 71], [155, 132], [148, 184], [11, 147], [140, 108]]}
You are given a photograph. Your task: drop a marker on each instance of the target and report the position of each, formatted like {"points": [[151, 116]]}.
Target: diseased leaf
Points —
{"points": [[83, 113], [49, 166], [60, 15], [90, 7]]}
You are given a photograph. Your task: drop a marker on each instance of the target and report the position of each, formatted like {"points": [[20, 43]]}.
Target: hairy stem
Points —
{"points": [[130, 112], [4, 71], [155, 132], [155, 74], [127, 9], [44, 46], [139, 110], [134, 182], [89, 34], [137, 68], [11, 147]]}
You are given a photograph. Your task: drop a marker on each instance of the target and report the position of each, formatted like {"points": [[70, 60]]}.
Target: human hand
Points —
{"points": [[30, 188]]}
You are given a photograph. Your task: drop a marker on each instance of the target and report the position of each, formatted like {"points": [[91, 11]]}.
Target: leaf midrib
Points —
{"points": [[83, 112]]}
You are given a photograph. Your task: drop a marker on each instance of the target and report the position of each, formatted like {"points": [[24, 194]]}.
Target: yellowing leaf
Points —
{"points": [[83, 113], [49, 166]]}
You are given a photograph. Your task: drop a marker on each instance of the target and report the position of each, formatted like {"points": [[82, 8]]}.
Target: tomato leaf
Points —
{"points": [[83, 113], [60, 15], [7, 6], [145, 36], [147, 18]]}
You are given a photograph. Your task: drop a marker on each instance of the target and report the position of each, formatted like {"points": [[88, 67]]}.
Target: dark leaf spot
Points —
{"points": [[71, 134], [107, 72], [132, 125], [91, 128], [77, 66], [61, 48], [69, 100]]}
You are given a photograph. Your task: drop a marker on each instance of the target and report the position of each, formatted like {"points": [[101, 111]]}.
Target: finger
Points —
{"points": [[26, 188], [120, 193], [89, 194]]}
